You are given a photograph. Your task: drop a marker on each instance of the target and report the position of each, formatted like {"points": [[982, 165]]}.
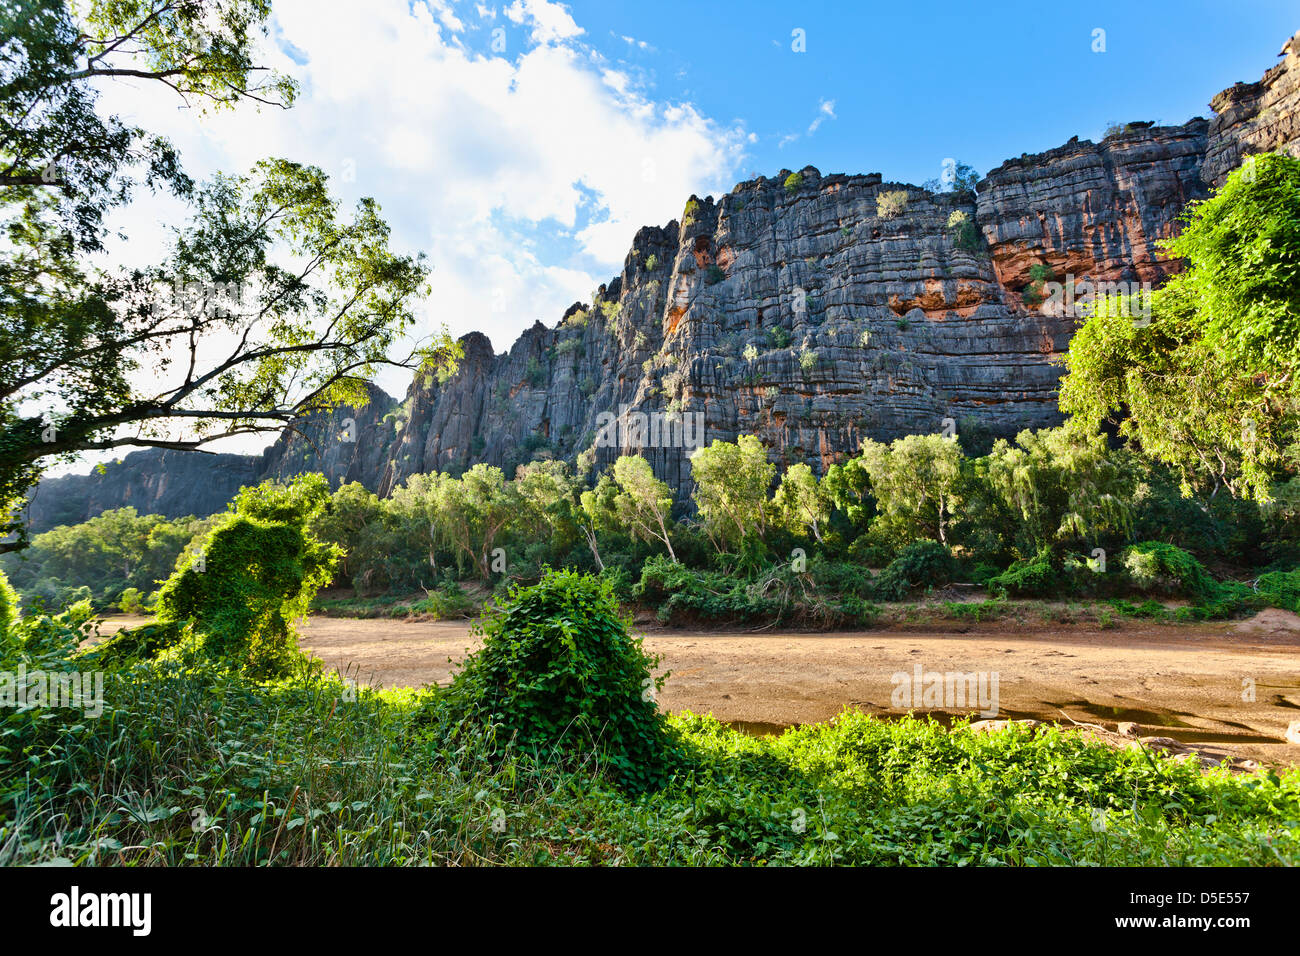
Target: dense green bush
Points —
{"points": [[1280, 589], [236, 597], [256, 579], [824, 595], [560, 675], [1159, 568], [922, 564], [448, 600], [681, 594], [1038, 576]]}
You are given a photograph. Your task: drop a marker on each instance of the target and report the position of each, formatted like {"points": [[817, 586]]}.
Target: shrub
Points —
{"points": [[570, 346], [891, 204], [1039, 275], [962, 229], [1157, 567], [793, 182], [873, 548], [256, 573], [981, 572], [1280, 589], [822, 596], [1039, 576], [839, 577], [714, 274], [560, 675], [923, 563], [133, 601], [652, 263], [807, 360], [449, 600], [257, 577]]}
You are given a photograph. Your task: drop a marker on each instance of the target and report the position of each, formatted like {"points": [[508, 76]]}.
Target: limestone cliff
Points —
{"points": [[810, 310]]}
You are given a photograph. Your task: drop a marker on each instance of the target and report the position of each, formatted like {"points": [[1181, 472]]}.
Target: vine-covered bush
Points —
{"points": [[560, 675], [256, 578], [1280, 589], [1038, 576], [823, 595], [238, 594], [1159, 568]]}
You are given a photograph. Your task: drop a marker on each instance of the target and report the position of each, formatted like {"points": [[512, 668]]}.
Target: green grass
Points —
{"points": [[200, 767], [447, 601]]}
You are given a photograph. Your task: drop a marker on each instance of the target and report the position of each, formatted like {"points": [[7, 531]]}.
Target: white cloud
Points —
{"points": [[639, 44], [825, 111], [551, 22], [446, 15]]}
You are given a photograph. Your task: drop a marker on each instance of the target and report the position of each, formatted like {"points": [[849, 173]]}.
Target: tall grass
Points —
{"points": [[195, 766]]}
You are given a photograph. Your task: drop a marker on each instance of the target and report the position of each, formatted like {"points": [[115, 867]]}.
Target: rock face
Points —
{"points": [[812, 311], [1256, 117], [1094, 209], [790, 308], [171, 483], [350, 444], [178, 483]]}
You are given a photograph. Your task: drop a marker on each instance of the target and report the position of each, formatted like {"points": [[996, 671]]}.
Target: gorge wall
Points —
{"points": [[790, 308]]}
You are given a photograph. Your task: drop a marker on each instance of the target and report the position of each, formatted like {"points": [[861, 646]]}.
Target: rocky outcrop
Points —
{"points": [[1256, 117], [171, 483], [804, 311], [813, 311], [349, 445], [1094, 210]]}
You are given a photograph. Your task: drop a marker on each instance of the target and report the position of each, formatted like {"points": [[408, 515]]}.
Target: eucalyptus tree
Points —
{"points": [[270, 303], [1210, 383]]}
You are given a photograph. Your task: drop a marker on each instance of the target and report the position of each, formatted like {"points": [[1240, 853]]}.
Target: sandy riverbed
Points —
{"points": [[1188, 682]]}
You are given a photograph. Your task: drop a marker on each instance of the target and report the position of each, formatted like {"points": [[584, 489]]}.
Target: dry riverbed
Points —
{"points": [[1189, 682]]}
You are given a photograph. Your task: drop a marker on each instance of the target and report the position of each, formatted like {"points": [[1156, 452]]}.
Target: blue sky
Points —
{"points": [[898, 87], [521, 143], [915, 82]]}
